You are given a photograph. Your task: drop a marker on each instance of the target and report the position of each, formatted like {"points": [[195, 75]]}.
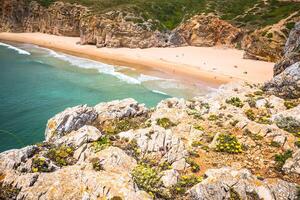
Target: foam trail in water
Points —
{"points": [[160, 92], [20, 51], [102, 67]]}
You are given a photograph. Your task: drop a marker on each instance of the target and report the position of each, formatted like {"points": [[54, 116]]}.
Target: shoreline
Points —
{"points": [[212, 65]]}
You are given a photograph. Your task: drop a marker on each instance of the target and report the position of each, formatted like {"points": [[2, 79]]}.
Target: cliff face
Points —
{"points": [[125, 28], [58, 19]]}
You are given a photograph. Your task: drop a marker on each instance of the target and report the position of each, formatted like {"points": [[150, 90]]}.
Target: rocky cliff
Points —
{"points": [[238, 142], [128, 28]]}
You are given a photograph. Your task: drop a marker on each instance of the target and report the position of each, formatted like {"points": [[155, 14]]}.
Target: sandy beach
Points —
{"points": [[213, 65]]}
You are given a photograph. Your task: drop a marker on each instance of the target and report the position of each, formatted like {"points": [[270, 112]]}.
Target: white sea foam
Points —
{"points": [[159, 92], [20, 51]]}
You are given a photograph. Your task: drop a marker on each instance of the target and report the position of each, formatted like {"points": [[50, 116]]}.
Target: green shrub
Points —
{"points": [[290, 104], [39, 164], [213, 117], [147, 179], [97, 166], [297, 143], [61, 155], [194, 166], [185, 182], [235, 101], [199, 127], [275, 144], [8, 192], [289, 124], [259, 116], [103, 143], [228, 143], [281, 158], [113, 127], [165, 123], [290, 25]]}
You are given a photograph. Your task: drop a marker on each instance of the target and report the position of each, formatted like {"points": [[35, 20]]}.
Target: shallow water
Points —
{"points": [[37, 83]]}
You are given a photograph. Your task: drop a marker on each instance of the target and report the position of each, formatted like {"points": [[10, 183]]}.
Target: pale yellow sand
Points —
{"points": [[211, 64]]}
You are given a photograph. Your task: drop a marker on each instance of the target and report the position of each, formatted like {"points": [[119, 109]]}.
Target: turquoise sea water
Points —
{"points": [[37, 83]]}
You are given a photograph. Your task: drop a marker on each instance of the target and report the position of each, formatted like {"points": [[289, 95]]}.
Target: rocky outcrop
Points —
{"points": [[121, 149], [59, 19], [286, 84], [286, 81], [291, 51], [228, 183], [69, 120], [258, 47], [209, 30]]}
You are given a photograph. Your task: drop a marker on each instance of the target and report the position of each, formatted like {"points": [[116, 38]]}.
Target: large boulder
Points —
{"points": [[85, 134], [69, 120], [291, 51], [120, 109], [228, 183], [286, 84]]}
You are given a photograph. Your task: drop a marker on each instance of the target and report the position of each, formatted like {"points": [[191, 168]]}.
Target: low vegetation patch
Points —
{"points": [[97, 165], [281, 158], [291, 103], [165, 123], [213, 117], [147, 179], [185, 182], [61, 155], [113, 127], [289, 124], [8, 192], [260, 116], [39, 164], [101, 144], [228, 143], [235, 101]]}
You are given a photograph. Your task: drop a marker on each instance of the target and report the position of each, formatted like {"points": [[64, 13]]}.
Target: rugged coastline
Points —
{"points": [[240, 142]]}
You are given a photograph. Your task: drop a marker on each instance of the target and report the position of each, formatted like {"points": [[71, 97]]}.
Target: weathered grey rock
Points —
{"points": [[73, 182], [292, 165], [77, 138], [260, 103], [286, 84], [169, 177], [221, 183], [69, 120], [160, 141], [12, 159], [114, 159], [291, 51], [120, 109]]}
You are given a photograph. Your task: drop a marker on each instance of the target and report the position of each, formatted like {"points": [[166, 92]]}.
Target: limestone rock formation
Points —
{"points": [[291, 51], [292, 165], [69, 120], [202, 148], [209, 30], [228, 183], [120, 109], [286, 84]]}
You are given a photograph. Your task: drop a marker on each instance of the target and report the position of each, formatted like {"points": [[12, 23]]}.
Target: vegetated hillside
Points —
{"points": [[251, 14]]}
